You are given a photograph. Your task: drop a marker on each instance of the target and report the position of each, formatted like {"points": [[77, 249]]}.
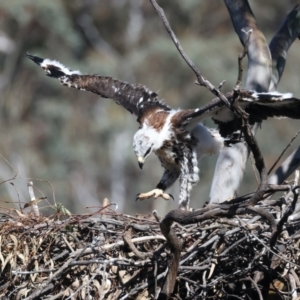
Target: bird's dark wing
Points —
{"points": [[259, 106], [134, 97]]}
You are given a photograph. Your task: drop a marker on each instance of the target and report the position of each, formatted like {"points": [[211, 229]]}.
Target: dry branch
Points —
{"points": [[201, 80]]}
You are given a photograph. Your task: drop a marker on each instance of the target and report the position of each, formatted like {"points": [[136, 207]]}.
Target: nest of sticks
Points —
{"points": [[106, 255]]}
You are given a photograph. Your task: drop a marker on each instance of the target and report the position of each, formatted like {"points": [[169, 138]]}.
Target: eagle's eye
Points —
{"points": [[148, 151]]}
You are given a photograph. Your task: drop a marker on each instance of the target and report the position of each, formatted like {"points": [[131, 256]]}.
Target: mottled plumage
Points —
{"points": [[175, 136]]}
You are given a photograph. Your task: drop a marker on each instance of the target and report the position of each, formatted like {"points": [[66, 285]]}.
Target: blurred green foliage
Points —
{"points": [[82, 143]]}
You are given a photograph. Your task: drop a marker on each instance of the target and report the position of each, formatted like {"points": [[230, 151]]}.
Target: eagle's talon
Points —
{"points": [[154, 193], [171, 196]]}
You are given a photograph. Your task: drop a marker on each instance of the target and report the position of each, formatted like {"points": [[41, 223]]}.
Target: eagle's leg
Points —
{"points": [[188, 177], [168, 178]]}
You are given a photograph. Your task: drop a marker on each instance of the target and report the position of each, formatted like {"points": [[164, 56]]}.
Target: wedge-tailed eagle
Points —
{"points": [[174, 135]]}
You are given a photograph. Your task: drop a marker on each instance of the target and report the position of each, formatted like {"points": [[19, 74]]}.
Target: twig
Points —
{"points": [[253, 169], [111, 262], [27, 178], [267, 247], [67, 243], [293, 286], [19, 200], [32, 272], [284, 219], [200, 79], [10, 179], [147, 284], [282, 153], [232, 246], [135, 240], [128, 241], [256, 287], [195, 268], [221, 84], [38, 291], [86, 284]]}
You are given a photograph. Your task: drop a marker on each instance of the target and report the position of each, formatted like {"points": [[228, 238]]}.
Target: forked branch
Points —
{"points": [[201, 80]]}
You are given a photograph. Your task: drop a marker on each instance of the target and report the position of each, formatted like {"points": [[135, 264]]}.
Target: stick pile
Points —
{"points": [[106, 255]]}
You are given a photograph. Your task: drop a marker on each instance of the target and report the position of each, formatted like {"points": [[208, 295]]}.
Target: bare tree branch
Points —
{"points": [[200, 79], [231, 162], [286, 168], [259, 57], [281, 43], [282, 153]]}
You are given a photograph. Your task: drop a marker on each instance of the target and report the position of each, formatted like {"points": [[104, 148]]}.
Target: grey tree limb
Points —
{"points": [[281, 42], [231, 162], [286, 168]]}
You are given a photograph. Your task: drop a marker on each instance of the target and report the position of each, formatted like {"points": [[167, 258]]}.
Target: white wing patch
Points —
{"points": [[277, 96], [59, 65]]}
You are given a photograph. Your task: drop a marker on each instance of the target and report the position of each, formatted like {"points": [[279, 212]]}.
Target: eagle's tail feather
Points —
{"points": [[52, 68]]}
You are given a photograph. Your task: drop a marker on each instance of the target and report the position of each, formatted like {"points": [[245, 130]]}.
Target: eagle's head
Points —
{"points": [[145, 141]]}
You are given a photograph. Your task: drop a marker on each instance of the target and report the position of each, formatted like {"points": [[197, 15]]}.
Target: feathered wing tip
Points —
{"points": [[52, 68], [272, 96], [35, 59]]}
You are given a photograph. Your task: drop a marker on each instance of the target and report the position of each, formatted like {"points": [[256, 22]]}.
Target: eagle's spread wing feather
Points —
{"points": [[134, 97], [259, 106]]}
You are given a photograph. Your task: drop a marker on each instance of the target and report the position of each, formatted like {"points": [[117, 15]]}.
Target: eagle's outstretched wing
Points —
{"points": [[136, 98], [259, 106], [140, 101]]}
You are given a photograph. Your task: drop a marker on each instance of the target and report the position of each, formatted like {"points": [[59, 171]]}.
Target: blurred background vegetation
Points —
{"points": [[82, 144]]}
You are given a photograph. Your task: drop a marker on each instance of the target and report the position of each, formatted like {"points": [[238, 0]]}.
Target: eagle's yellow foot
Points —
{"points": [[154, 193]]}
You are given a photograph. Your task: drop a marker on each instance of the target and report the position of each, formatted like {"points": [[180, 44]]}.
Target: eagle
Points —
{"points": [[176, 136]]}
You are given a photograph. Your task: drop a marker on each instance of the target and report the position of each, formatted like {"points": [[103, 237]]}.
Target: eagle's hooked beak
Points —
{"points": [[141, 161]]}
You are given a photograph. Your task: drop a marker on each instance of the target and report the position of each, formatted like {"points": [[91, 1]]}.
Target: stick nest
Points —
{"points": [[106, 255]]}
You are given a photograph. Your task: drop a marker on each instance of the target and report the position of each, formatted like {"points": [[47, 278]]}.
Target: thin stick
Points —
{"points": [[256, 287], [27, 178], [285, 217], [19, 200], [266, 246], [86, 284], [282, 153], [253, 168], [135, 240], [10, 179], [200, 79]]}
